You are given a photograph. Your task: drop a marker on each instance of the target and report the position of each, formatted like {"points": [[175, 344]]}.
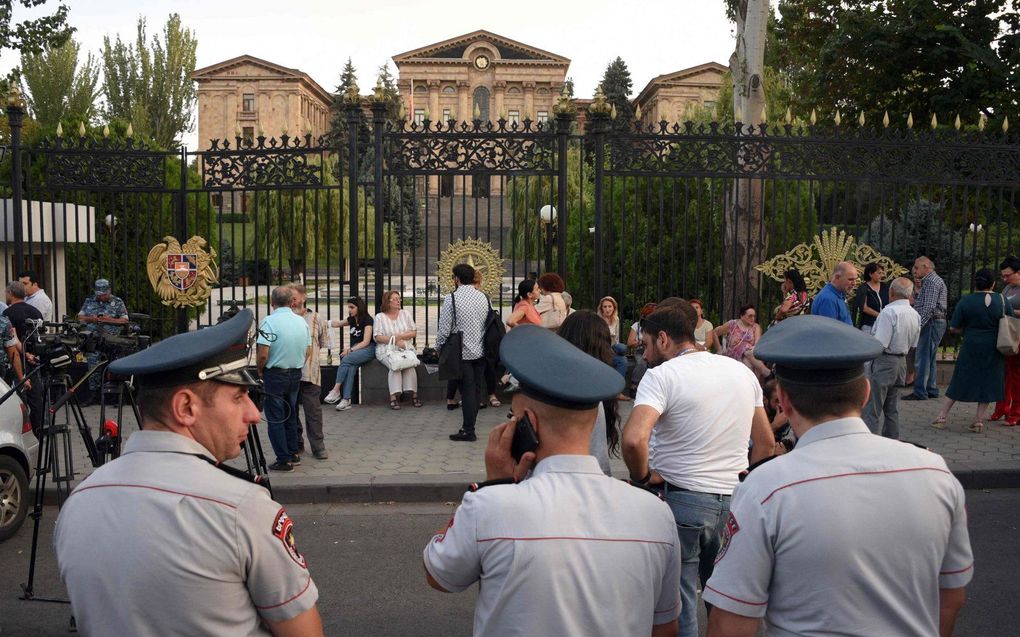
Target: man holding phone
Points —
{"points": [[106, 312], [537, 543]]}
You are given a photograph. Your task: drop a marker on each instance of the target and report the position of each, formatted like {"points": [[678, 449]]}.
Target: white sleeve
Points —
{"points": [[667, 606], [883, 328], [650, 391], [743, 566], [452, 557], [958, 563], [759, 395]]}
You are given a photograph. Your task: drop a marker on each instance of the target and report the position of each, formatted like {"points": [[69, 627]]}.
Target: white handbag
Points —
{"points": [[396, 358]]}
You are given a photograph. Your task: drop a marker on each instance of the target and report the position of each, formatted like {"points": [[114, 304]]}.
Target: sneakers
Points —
{"points": [[284, 467], [295, 459], [332, 397], [343, 405], [463, 436], [321, 454]]}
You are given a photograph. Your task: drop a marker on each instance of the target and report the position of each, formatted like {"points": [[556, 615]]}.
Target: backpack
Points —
{"points": [[492, 335]]}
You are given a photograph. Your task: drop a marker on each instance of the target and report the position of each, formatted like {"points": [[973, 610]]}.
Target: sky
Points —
{"points": [[317, 36]]}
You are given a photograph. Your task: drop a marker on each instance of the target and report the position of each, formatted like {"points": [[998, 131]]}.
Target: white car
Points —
{"points": [[18, 449]]}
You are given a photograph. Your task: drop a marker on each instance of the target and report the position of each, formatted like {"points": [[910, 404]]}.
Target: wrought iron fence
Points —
{"points": [[684, 210]]}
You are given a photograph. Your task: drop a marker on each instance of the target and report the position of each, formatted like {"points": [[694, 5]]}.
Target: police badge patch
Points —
{"points": [[731, 529], [283, 528]]}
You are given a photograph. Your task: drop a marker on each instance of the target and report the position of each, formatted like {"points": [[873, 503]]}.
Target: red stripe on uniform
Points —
{"points": [[143, 486], [588, 539], [855, 473], [307, 584], [962, 570], [736, 599]]}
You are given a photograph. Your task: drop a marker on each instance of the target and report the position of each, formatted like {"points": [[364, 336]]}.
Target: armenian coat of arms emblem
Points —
{"points": [[182, 275]]}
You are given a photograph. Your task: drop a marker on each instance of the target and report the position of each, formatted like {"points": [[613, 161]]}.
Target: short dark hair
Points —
{"points": [[551, 282], [31, 275], [1011, 262], [464, 273], [685, 308], [984, 279], [821, 402], [744, 308], [672, 320], [154, 402], [870, 269], [796, 279]]}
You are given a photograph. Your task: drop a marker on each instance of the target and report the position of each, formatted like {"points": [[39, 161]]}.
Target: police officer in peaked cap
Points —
{"points": [[849, 533], [551, 549], [166, 539]]}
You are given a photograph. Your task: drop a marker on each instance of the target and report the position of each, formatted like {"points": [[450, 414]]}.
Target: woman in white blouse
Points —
{"points": [[395, 322]]}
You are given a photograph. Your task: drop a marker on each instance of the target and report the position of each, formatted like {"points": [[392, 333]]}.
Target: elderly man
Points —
{"points": [[552, 551], [703, 408], [167, 538], [897, 328], [831, 300], [309, 396], [283, 345], [931, 307], [800, 546]]}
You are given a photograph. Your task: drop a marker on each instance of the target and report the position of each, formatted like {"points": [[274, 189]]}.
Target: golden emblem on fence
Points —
{"points": [[479, 255], [182, 275], [815, 261]]}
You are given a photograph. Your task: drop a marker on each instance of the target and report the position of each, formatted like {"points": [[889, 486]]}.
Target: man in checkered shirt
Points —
{"points": [[931, 307], [472, 309]]}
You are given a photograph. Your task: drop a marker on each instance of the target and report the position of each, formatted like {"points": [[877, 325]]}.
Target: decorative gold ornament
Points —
{"points": [[480, 256], [182, 276], [816, 261], [481, 62]]}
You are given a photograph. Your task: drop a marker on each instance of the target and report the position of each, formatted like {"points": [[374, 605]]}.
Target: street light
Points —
{"points": [[548, 216]]}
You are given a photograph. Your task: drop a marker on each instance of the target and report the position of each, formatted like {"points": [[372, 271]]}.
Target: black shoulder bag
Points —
{"points": [[452, 351]]}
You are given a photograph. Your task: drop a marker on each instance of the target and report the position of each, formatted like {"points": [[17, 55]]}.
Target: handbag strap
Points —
{"points": [[453, 301], [1004, 302]]}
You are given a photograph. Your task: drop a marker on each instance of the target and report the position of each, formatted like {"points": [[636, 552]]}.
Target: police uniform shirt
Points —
{"points": [[160, 542], [849, 534], [113, 307], [569, 551]]}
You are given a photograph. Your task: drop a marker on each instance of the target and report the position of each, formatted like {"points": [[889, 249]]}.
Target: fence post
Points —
{"points": [[378, 127], [598, 113], [564, 120], [352, 102], [181, 229], [15, 114]]}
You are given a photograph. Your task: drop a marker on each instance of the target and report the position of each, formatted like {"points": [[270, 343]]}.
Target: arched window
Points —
{"points": [[420, 89], [449, 89], [513, 90], [481, 100]]}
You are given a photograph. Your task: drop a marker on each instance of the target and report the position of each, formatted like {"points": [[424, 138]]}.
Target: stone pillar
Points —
{"points": [[435, 114], [529, 101], [499, 110], [404, 88], [463, 102]]}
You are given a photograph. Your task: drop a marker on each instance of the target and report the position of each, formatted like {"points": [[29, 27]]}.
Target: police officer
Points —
{"points": [[850, 533], [552, 551], [165, 539], [106, 312]]}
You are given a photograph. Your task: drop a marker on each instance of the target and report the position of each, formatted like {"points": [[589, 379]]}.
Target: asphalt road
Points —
{"points": [[366, 560]]}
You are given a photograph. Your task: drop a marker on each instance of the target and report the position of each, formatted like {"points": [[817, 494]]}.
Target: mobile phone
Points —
{"points": [[525, 438]]}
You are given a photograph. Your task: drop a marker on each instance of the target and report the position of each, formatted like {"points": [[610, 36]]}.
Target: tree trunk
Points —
{"points": [[744, 241]]}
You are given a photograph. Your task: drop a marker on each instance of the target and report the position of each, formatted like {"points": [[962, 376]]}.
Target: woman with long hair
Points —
{"points": [[609, 310], [551, 307], [704, 331], [360, 351], [872, 296], [795, 297], [588, 332], [524, 312], [742, 334], [397, 323]]}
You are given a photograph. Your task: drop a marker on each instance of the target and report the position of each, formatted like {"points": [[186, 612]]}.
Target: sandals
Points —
{"points": [[395, 405], [939, 422], [417, 401], [494, 402], [976, 427]]}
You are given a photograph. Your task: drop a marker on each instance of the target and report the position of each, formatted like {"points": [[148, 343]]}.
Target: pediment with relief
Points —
{"points": [[455, 49], [245, 66]]}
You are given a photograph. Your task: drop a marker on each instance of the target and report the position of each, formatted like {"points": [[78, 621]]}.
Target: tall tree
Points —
{"points": [[944, 57], [338, 118], [57, 87], [617, 86], [31, 36], [150, 84]]}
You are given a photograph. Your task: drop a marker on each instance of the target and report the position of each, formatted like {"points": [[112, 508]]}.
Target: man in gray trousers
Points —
{"points": [[897, 327], [310, 393]]}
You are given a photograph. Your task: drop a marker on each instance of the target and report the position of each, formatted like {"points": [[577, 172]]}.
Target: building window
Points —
{"points": [[543, 116], [248, 134], [542, 91], [217, 200], [248, 103], [446, 115], [449, 89], [480, 186], [420, 89], [513, 90], [710, 106], [419, 116], [514, 117], [446, 185]]}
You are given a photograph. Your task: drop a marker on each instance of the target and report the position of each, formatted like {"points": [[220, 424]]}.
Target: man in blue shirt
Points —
{"points": [[831, 301], [283, 345]]}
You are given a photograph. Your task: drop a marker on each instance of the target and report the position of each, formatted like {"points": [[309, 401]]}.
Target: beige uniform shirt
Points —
{"points": [[848, 534], [160, 542]]}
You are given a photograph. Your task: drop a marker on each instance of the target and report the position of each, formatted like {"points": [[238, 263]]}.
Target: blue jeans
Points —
{"points": [[927, 345], [281, 387], [620, 358], [700, 519], [349, 367]]}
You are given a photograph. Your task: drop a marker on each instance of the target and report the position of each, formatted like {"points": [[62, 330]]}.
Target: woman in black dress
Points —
{"points": [[872, 296]]}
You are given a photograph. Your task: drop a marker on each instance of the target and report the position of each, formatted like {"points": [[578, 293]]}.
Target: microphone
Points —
{"points": [[34, 322]]}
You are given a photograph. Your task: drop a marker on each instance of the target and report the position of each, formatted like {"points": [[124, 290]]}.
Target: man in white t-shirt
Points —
{"points": [[703, 408]]}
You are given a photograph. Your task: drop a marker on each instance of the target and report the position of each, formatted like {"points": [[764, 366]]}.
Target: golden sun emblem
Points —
{"points": [[182, 275], [479, 255], [481, 62]]}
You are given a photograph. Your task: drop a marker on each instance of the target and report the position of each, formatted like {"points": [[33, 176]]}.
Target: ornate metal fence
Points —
{"points": [[649, 212]]}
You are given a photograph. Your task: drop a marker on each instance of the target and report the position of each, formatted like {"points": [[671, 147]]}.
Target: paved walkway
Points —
{"points": [[376, 454]]}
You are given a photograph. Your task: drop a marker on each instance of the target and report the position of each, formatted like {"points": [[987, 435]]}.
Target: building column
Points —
{"points": [[435, 114], [529, 101], [463, 102], [499, 110]]}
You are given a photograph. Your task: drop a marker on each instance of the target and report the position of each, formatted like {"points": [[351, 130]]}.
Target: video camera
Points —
{"points": [[57, 345]]}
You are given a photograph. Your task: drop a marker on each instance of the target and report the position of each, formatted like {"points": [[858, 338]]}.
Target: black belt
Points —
{"points": [[891, 354], [672, 487]]}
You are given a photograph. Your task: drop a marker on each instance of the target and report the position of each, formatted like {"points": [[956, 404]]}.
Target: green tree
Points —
{"points": [[58, 87], [903, 56], [30, 36], [338, 118], [150, 85], [617, 85]]}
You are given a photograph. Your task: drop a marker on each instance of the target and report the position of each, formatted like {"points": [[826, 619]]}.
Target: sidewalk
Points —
{"points": [[380, 455]]}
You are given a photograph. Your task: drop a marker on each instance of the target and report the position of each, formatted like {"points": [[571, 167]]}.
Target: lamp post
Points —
{"points": [[548, 216]]}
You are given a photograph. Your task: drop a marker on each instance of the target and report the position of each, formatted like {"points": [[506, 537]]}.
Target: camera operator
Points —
{"points": [[10, 357], [24, 317], [101, 313]]}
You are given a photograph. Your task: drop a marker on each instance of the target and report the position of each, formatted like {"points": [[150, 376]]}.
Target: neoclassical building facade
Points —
{"points": [[674, 96]]}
